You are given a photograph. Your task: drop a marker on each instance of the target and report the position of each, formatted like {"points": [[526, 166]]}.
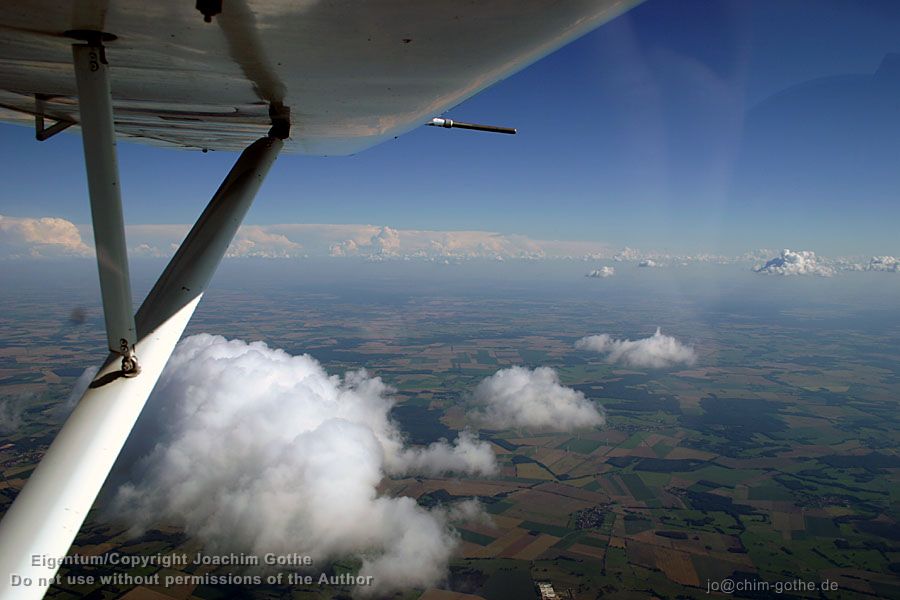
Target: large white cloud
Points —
{"points": [[521, 397], [47, 237], [657, 351], [802, 262], [260, 451]]}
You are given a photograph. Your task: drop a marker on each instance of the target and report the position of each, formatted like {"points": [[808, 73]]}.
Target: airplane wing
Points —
{"points": [[309, 76], [352, 73]]}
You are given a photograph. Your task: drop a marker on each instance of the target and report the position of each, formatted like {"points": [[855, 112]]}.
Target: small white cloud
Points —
{"points": [[657, 351], [602, 272], [803, 262], [649, 262], [49, 237], [521, 397], [145, 250], [12, 407], [467, 455], [255, 450]]}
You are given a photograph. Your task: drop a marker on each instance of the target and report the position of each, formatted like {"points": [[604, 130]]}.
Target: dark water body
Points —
{"points": [[421, 425]]}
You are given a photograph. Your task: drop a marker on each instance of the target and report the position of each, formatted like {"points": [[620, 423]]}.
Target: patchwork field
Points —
{"points": [[774, 458]]}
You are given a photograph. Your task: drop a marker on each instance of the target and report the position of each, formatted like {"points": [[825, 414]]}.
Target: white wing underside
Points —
{"points": [[353, 73]]}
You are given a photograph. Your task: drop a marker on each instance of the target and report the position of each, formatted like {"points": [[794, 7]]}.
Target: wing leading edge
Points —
{"points": [[352, 74]]}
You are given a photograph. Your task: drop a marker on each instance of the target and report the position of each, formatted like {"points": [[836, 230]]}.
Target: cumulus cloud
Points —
{"points": [[803, 262], [412, 243], [260, 451], [521, 397], [602, 272], [387, 241], [253, 241], [151, 241], [808, 263], [883, 263], [657, 351], [649, 262], [345, 248], [145, 250], [48, 237], [627, 254], [467, 455]]}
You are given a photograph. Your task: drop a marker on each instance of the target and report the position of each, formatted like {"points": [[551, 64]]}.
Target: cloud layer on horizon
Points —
{"points": [[534, 399], [52, 237], [260, 451], [656, 352], [363, 241]]}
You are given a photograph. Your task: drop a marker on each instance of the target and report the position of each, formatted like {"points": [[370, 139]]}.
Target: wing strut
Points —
{"points": [[42, 522], [99, 138]]}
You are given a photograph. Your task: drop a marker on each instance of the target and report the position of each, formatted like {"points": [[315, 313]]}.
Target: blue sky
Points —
{"points": [[682, 126]]}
